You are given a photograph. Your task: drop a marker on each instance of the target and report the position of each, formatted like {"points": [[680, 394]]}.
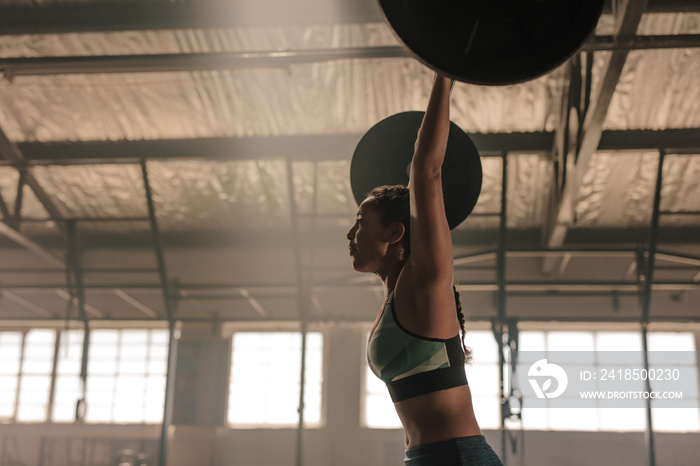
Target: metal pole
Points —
{"points": [[74, 266], [54, 370], [648, 278], [501, 253], [497, 330], [501, 298], [4, 211], [17, 218], [653, 238], [169, 311], [303, 299], [169, 392], [20, 372], [172, 62], [302, 382], [649, 433], [157, 246]]}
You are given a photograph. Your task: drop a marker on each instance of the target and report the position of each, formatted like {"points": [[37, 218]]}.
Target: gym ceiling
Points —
{"points": [[190, 161]]}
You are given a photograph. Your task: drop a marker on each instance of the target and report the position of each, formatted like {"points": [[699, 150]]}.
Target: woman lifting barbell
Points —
{"points": [[401, 234]]}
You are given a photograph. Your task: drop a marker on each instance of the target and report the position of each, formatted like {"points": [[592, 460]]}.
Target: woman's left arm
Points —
{"points": [[431, 244]]}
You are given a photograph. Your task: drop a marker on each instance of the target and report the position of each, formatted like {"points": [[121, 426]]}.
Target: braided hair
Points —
{"points": [[462, 322], [393, 205]]}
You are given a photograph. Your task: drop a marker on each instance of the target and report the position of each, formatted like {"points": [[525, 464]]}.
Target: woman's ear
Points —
{"points": [[398, 230]]}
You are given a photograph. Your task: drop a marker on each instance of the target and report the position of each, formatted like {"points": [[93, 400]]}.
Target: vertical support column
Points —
{"points": [[20, 371], [82, 402], [54, 373], [73, 259], [649, 433], [502, 245], [303, 302], [302, 383], [4, 210], [647, 280], [169, 393], [501, 298], [653, 238], [17, 217], [497, 329], [505, 330], [170, 314]]}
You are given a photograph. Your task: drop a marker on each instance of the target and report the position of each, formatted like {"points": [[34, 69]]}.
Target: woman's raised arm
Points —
{"points": [[431, 244]]}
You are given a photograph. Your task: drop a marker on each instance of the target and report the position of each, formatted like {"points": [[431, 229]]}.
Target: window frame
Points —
{"points": [[58, 327], [227, 331], [601, 327]]}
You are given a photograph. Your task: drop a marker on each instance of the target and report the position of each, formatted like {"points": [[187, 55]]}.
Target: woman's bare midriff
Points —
{"points": [[438, 416]]}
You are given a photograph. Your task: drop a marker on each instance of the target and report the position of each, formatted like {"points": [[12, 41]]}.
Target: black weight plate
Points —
{"points": [[492, 42], [384, 153]]}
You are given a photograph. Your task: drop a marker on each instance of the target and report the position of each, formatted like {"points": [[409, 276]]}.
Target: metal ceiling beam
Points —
{"points": [[74, 301], [254, 303], [28, 304], [291, 290], [627, 16], [672, 141], [30, 245], [655, 42], [175, 62], [325, 146], [136, 304], [327, 237], [4, 210], [615, 319], [11, 153], [678, 258], [53, 18], [14, 156], [124, 16]]}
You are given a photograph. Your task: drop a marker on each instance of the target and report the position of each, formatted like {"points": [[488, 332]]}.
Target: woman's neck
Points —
{"points": [[390, 275]]}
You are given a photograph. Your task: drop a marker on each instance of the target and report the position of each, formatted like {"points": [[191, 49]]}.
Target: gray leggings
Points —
{"points": [[464, 451]]}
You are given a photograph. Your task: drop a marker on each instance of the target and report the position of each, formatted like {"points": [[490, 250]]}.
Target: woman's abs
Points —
{"points": [[438, 416]]}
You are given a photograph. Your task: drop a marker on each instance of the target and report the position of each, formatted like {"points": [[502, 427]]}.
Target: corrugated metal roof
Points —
{"points": [[249, 193]]}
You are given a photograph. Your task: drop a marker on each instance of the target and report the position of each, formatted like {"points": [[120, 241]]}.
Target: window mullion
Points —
{"points": [[120, 341], [54, 372], [19, 375], [146, 374]]}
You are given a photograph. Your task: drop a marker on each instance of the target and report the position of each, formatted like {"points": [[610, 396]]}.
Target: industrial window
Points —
{"points": [[379, 412], [25, 374], [40, 375], [482, 374], [574, 419], [610, 419], [126, 375], [10, 355], [265, 379], [668, 419], [67, 384]]}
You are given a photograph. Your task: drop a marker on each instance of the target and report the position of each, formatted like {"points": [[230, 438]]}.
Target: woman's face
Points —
{"points": [[369, 238]]}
